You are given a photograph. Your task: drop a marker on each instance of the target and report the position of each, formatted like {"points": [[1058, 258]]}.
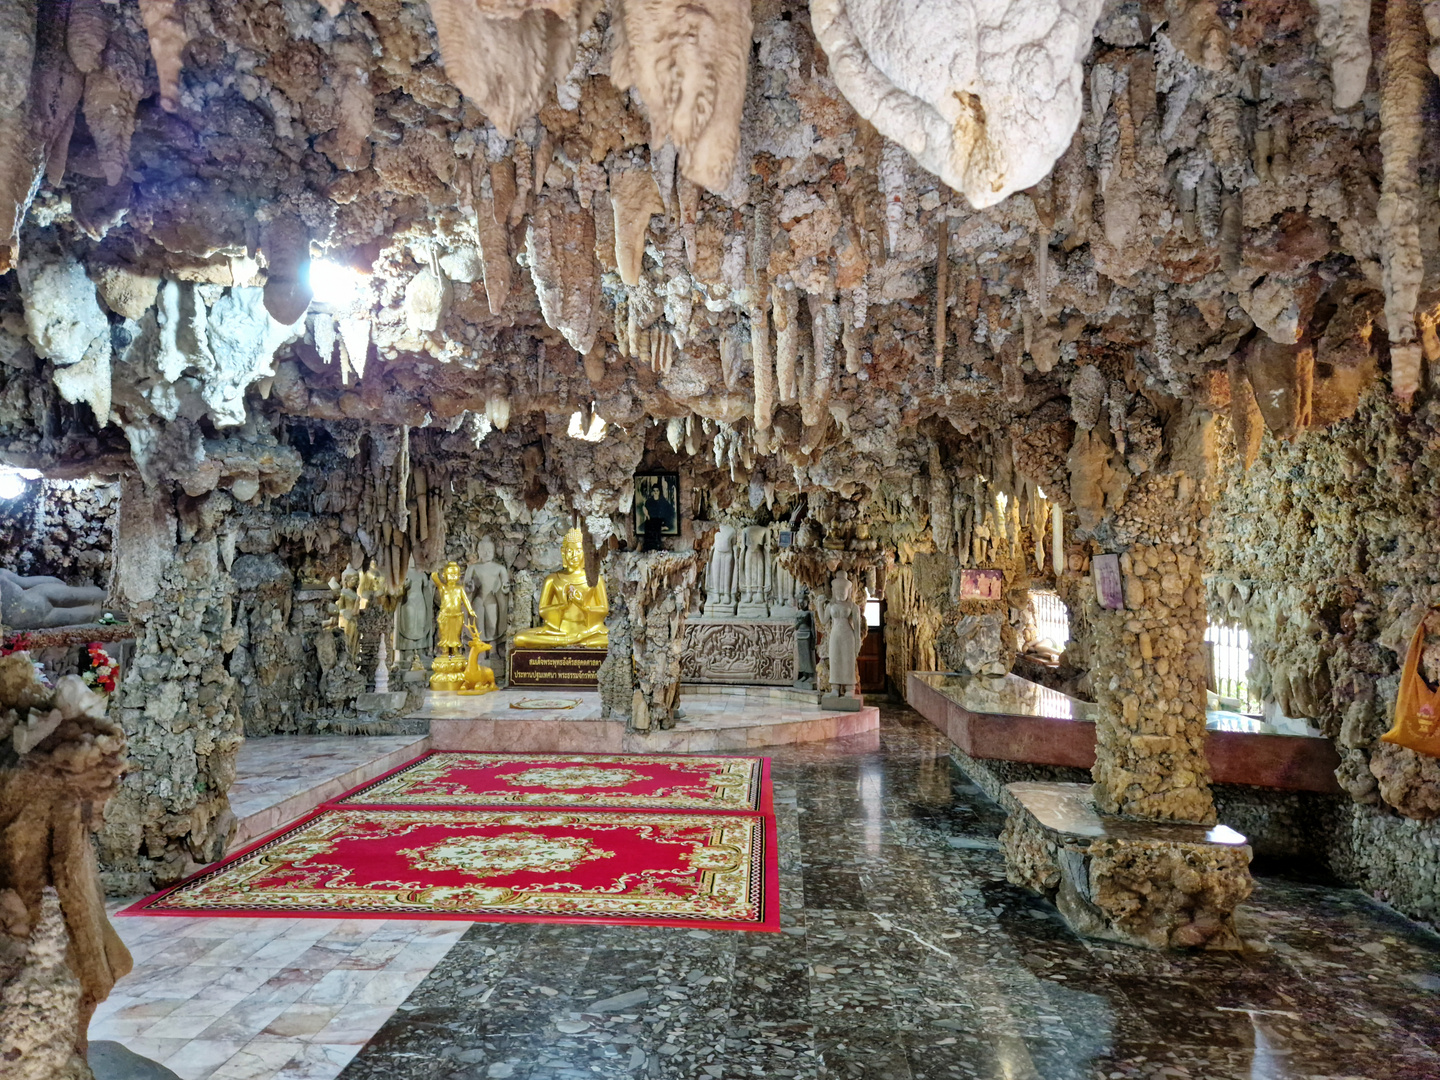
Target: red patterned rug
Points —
{"points": [[694, 869], [619, 781]]}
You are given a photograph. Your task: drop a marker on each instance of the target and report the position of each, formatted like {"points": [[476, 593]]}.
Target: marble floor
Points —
{"points": [[284, 776], [256, 999], [904, 956]]}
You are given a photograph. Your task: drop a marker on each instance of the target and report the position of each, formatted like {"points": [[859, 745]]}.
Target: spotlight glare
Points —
{"points": [[334, 284], [12, 485], [577, 429]]}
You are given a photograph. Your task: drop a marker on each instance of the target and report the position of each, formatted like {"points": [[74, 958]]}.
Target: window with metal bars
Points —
{"points": [[1051, 617], [1229, 648]]}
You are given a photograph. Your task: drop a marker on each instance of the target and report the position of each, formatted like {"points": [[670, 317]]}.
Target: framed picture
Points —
{"points": [[657, 499], [982, 584], [785, 538], [1109, 590]]}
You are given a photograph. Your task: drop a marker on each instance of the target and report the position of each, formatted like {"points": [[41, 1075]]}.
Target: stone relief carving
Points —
{"points": [[730, 651]]}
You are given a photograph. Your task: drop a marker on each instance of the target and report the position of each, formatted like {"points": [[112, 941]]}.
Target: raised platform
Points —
{"points": [[1008, 718], [714, 719], [1156, 885], [282, 777]]}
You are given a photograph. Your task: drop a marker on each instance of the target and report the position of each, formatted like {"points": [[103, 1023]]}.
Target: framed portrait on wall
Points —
{"points": [[657, 499], [1109, 589], [982, 584]]}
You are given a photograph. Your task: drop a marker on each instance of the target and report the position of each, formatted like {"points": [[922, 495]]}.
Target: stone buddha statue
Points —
{"points": [[572, 612]]}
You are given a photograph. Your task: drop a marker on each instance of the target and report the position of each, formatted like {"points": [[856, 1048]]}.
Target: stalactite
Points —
{"points": [[1057, 539], [824, 328], [1403, 83], [634, 198], [355, 334], [112, 93], [762, 365], [1343, 30], [286, 244], [688, 60], [19, 163], [492, 232], [168, 39], [786, 305], [942, 525], [507, 57], [942, 285]]}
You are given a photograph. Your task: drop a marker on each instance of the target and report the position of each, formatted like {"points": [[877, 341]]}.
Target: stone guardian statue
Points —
{"points": [[488, 583], [720, 576], [844, 627], [754, 573]]}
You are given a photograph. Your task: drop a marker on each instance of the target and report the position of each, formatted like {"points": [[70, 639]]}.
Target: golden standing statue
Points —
{"points": [[572, 611], [447, 670]]}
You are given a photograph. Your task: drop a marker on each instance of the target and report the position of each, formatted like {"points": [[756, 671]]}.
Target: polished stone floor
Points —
{"points": [[906, 956]]}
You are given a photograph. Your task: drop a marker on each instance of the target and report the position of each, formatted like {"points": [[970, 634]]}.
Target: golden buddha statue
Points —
{"points": [[449, 665], [572, 612]]}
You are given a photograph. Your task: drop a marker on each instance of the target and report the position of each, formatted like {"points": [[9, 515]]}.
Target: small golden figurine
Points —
{"points": [[447, 670], [477, 679], [571, 610]]}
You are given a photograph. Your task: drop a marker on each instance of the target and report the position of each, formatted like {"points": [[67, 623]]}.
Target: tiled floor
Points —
{"points": [[905, 956], [252, 999], [284, 776]]}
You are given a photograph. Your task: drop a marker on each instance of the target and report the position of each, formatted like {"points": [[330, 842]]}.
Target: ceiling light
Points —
{"points": [[335, 284]]}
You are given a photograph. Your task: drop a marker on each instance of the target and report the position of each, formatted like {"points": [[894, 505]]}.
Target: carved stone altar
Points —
{"points": [[759, 652]]}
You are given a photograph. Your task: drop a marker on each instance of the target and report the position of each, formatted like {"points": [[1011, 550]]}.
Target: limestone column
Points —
{"points": [[1148, 664]]}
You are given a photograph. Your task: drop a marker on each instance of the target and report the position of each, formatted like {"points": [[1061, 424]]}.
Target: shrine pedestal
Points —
{"points": [[1157, 885], [572, 669], [753, 652]]}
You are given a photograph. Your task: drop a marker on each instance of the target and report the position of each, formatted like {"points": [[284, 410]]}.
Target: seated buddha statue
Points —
{"points": [[572, 612]]}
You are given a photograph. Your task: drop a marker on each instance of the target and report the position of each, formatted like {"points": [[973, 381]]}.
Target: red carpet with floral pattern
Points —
{"points": [[621, 781], [656, 840]]}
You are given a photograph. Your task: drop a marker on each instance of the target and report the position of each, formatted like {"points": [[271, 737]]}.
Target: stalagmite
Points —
{"points": [[507, 56], [634, 198], [688, 61], [1404, 79], [1343, 30], [166, 28], [786, 305]]}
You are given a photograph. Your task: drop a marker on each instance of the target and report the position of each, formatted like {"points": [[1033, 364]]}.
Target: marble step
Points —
{"points": [[283, 777]]}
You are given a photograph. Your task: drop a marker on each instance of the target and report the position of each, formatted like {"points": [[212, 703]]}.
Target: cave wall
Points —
{"points": [[1328, 552], [179, 702], [63, 528]]}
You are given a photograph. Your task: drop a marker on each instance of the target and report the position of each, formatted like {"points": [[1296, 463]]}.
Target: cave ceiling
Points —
{"points": [[796, 244]]}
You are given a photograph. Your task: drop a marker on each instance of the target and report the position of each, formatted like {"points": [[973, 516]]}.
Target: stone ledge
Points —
{"points": [[1156, 885]]}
